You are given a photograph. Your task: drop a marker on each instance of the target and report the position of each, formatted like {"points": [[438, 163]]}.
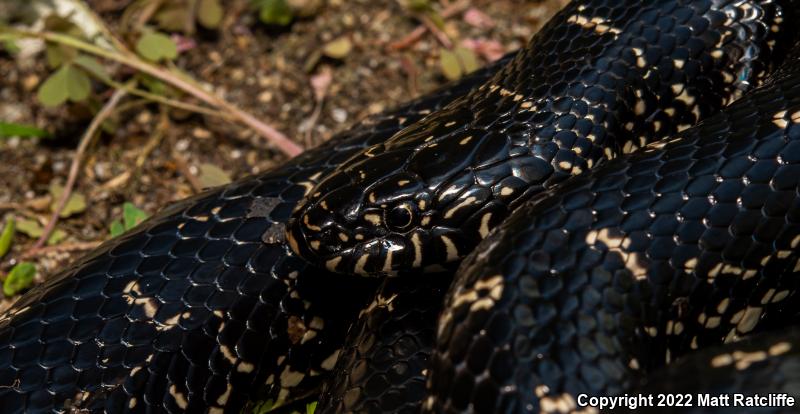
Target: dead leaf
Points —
{"points": [[477, 18], [338, 48], [320, 82], [491, 50], [212, 176]]}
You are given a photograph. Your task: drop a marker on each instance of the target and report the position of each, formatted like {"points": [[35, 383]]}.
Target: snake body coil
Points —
{"points": [[601, 78], [686, 243], [205, 303], [200, 306]]}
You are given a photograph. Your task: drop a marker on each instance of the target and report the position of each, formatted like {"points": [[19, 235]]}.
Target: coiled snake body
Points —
{"points": [[198, 307], [205, 304]]}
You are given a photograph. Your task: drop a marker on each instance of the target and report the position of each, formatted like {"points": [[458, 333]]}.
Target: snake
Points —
{"points": [[226, 295], [200, 306], [362, 200], [686, 243], [600, 79]]}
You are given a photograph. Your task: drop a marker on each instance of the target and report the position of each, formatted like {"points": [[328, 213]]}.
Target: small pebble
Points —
{"points": [[182, 145], [102, 170], [201, 133], [30, 82], [59, 166], [144, 117], [237, 74], [376, 107], [339, 115], [265, 96]]}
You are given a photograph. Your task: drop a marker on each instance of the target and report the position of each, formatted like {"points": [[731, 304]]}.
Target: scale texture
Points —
{"points": [[767, 363], [686, 243], [382, 366], [201, 306], [399, 322], [205, 304], [600, 79]]}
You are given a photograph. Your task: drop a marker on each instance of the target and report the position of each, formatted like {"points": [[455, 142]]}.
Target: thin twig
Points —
{"points": [[409, 39], [74, 168], [408, 66], [158, 98], [62, 247], [416, 34], [441, 36], [10, 206], [183, 167], [276, 137], [155, 139], [147, 12], [191, 10]]}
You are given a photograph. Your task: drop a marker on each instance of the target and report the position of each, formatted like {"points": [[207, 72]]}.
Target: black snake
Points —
{"points": [[204, 305]]}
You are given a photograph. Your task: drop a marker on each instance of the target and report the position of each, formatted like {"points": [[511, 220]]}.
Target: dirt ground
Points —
{"points": [[263, 70]]}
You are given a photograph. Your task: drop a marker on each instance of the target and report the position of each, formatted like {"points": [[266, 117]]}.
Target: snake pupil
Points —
{"points": [[400, 217]]}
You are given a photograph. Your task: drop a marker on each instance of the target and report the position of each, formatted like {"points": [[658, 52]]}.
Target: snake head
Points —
{"points": [[391, 211], [352, 230]]}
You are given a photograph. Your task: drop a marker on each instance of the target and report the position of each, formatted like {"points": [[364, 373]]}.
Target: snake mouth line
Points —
{"points": [[352, 252]]}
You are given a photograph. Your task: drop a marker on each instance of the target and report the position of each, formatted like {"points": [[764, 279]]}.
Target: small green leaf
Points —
{"points": [[116, 228], [338, 49], [209, 13], [213, 176], [92, 66], [29, 228], [153, 85], [78, 84], [10, 46], [132, 216], [59, 24], [275, 12], [34, 230], [172, 19], [74, 205], [436, 18], [56, 237], [68, 82], [469, 62], [419, 5], [7, 236], [19, 278], [311, 407], [53, 55], [451, 68], [18, 130], [156, 46], [53, 91]]}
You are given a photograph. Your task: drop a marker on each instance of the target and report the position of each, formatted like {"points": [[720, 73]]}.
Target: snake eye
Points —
{"points": [[400, 217]]}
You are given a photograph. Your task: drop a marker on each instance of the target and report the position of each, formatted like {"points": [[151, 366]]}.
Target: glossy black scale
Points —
{"points": [[200, 307], [686, 243], [204, 304], [382, 366], [764, 364], [369, 382], [600, 79]]}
